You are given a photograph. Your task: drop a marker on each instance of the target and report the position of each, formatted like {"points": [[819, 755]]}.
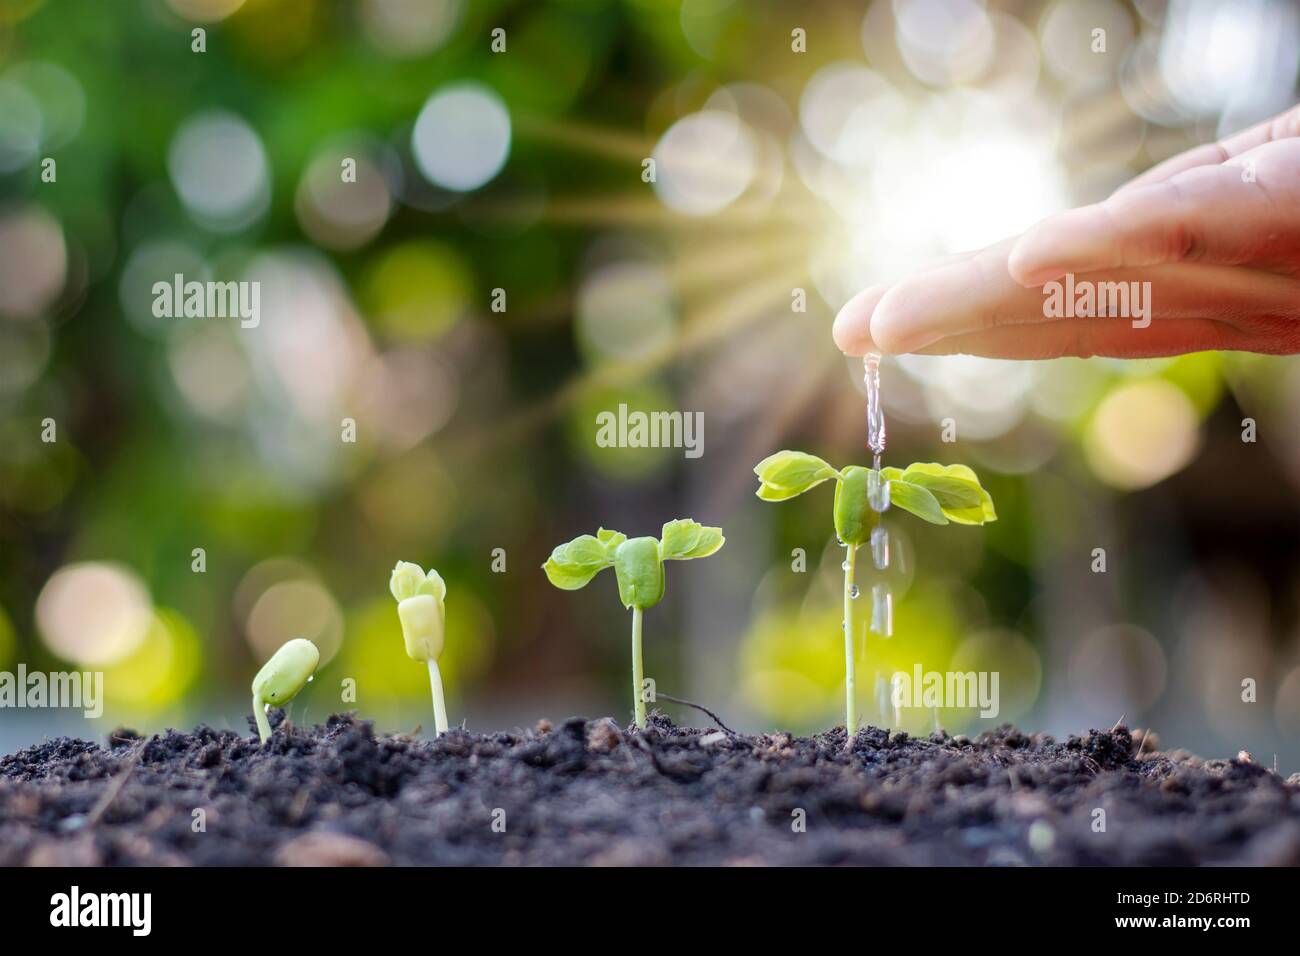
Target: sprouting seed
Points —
{"points": [[939, 494], [638, 565], [281, 678], [423, 613]]}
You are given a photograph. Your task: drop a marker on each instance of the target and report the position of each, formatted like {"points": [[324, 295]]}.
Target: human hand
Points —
{"points": [[1215, 231]]}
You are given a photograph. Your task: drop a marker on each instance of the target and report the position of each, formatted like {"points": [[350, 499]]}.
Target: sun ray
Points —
{"points": [[702, 329]]}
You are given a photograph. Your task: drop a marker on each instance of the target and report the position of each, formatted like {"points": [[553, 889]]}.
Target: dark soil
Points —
{"points": [[589, 792]]}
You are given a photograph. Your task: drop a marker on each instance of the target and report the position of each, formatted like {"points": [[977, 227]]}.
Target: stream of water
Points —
{"points": [[882, 600]]}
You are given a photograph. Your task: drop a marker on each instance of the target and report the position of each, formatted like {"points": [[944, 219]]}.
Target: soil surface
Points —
{"points": [[591, 792]]}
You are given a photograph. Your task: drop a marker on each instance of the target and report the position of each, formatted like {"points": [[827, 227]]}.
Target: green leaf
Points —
{"points": [[790, 473], [685, 539], [409, 580], [918, 500], [610, 539], [406, 580], [573, 564], [962, 497], [772, 493], [950, 492], [434, 585]]}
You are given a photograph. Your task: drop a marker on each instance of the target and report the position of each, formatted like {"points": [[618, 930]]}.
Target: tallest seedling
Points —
{"points": [[638, 564], [939, 494]]}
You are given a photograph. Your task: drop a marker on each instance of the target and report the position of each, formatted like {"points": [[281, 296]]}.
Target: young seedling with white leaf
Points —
{"points": [[638, 565], [421, 609], [939, 494], [281, 678]]}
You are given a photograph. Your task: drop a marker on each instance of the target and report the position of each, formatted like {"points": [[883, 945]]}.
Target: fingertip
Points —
{"points": [[1077, 240], [897, 327], [852, 328], [1030, 262]]}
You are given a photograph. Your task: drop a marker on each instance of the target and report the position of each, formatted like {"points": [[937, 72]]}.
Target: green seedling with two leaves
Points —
{"points": [[638, 565], [939, 494]]}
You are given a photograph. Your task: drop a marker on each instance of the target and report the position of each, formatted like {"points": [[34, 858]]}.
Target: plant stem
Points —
{"points": [[850, 655], [439, 704], [638, 702], [259, 715]]}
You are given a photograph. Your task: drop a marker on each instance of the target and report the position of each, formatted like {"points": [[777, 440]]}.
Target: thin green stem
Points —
{"points": [[638, 700], [850, 655], [259, 715], [439, 703]]}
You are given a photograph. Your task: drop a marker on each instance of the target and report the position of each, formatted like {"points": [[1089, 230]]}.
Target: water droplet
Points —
{"points": [[882, 611], [844, 565], [311, 678], [853, 592], [877, 491], [880, 548]]}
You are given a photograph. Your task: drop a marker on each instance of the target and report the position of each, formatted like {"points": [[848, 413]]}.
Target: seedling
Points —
{"points": [[281, 678], [638, 565], [424, 618], [939, 494]]}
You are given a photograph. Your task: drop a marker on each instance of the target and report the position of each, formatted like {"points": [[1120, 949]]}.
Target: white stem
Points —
{"points": [[850, 647], [638, 698], [259, 715], [439, 704]]}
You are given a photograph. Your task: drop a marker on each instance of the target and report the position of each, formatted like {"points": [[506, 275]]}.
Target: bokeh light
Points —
{"points": [[846, 110], [296, 608], [24, 352], [152, 261], [94, 613], [408, 28], [1141, 433], [408, 394], [57, 95], [704, 162], [1118, 671], [205, 11], [341, 213], [625, 311], [210, 371], [417, 289], [944, 41], [20, 126], [167, 663], [1084, 41], [220, 170], [461, 137], [33, 262]]}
